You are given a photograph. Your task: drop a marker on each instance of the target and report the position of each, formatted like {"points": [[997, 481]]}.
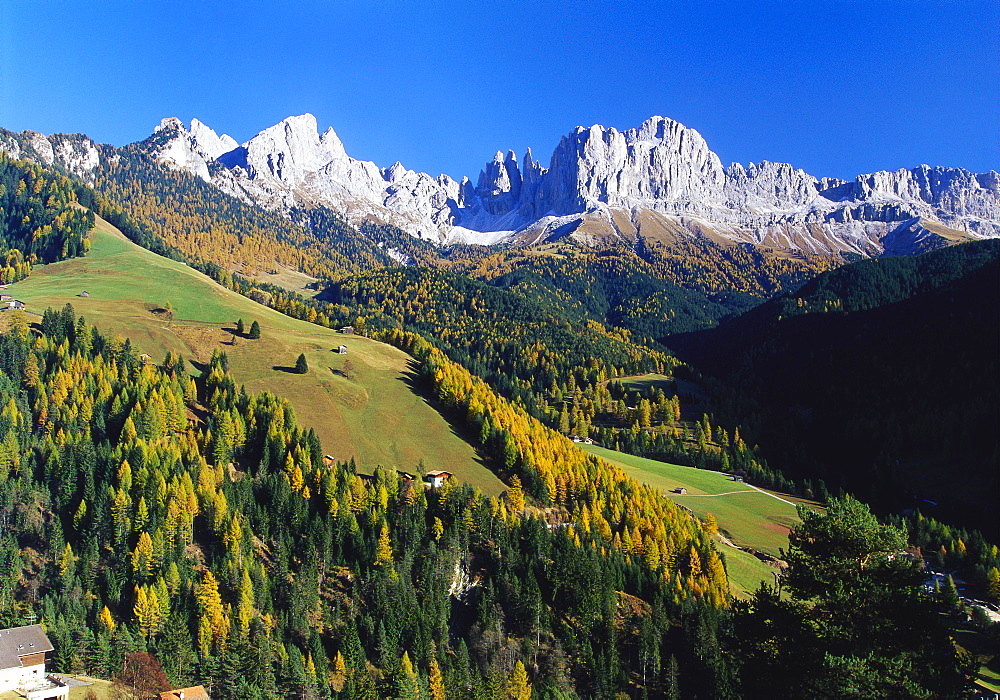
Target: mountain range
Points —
{"points": [[657, 182]]}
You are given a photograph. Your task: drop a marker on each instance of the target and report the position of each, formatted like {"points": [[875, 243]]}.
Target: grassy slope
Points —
{"points": [[374, 417], [287, 278], [644, 381], [748, 517]]}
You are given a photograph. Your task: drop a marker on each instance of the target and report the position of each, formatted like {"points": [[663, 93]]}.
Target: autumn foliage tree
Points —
{"points": [[141, 677]]}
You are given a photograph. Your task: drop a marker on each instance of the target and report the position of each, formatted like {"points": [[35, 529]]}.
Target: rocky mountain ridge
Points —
{"points": [[657, 181]]}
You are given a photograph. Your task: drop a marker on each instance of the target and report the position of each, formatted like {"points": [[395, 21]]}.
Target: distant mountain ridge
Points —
{"points": [[657, 182]]}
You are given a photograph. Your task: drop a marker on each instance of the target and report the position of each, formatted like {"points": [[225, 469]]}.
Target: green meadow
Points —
{"points": [[642, 382], [367, 410], [748, 517]]}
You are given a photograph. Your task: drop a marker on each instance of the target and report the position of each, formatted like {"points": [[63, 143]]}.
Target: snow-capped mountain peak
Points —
{"points": [[210, 143], [608, 182]]}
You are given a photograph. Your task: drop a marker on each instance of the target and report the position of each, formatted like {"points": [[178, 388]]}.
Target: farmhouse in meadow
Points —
{"points": [[22, 664], [437, 478], [347, 330]]}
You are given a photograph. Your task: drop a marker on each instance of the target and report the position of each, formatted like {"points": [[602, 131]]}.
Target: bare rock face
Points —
{"points": [[77, 153], [287, 152], [609, 177], [73, 152], [768, 187], [209, 142], [192, 150], [177, 149], [661, 165], [499, 187], [41, 146], [601, 186]]}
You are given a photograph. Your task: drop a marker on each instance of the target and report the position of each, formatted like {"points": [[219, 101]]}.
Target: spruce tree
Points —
{"points": [[300, 365], [254, 331], [240, 329]]}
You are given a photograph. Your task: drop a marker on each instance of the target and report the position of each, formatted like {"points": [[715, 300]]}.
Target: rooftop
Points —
{"points": [[22, 641], [196, 692]]}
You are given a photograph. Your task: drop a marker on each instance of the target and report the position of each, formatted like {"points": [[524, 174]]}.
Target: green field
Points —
{"points": [[977, 643], [373, 417], [642, 382], [748, 517], [746, 572], [286, 278]]}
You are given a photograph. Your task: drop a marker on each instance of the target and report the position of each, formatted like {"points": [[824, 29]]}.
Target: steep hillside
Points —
{"points": [[375, 415], [655, 290], [520, 342], [40, 220], [894, 398], [188, 518]]}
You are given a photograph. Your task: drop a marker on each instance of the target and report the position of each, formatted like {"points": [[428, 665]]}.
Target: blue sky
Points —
{"points": [[836, 88]]}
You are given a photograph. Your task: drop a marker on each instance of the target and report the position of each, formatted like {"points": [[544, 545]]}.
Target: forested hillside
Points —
{"points": [[653, 288], [521, 346], [38, 220], [879, 377], [152, 510]]}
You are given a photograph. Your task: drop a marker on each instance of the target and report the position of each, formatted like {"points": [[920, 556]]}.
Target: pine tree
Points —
{"points": [[515, 495], [66, 560], [254, 331], [213, 624], [142, 556], [245, 603], [339, 678], [106, 620], [240, 329], [147, 610], [949, 595], [711, 526], [301, 367], [31, 371]]}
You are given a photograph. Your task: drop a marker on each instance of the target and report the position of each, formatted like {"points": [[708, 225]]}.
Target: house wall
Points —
{"points": [[11, 678], [33, 659]]}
